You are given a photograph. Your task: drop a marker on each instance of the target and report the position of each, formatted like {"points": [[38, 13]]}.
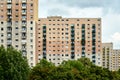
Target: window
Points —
{"points": [[17, 4], [16, 33], [31, 46], [31, 58], [31, 28], [2, 29], [66, 54], [16, 39], [31, 40], [78, 20], [31, 22], [2, 40], [31, 34], [1, 22], [31, 4], [2, 35], [16, 45], [16, 27]]}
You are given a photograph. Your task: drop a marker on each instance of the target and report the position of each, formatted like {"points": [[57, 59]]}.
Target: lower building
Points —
{"points": [[115, 60], [110, 57], [107, 49]]}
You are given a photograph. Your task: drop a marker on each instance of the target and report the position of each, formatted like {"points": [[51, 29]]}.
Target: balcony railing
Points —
{"points": [[23, 1], [9, 42], [23, 24], [9, 6], [24, 7], [9, 13], [24, 36], [9, 1], [24, 41], [24, 13]]}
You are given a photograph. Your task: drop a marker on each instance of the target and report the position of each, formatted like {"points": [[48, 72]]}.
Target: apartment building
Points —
{"points": [[18, 19], [115, 60], [110, 57], [107, 49], [60, 39]]}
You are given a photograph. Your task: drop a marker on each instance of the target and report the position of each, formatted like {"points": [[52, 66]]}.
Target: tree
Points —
{"points": [[81, 69], [42, 71], [13, 66]]}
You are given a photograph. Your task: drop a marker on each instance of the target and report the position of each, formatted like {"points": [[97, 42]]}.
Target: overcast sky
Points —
{"points": [[108, 10]]}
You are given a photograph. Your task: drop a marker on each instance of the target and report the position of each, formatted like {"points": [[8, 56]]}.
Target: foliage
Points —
{"points": [[81, 69], [12, 65]]}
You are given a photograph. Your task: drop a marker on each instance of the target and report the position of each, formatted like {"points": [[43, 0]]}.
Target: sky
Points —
{"points": [[107, 10]]}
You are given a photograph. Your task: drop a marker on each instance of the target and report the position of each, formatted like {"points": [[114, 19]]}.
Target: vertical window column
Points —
{"points": [[44, 42], [9, 23], [83, 40], [72, 42], [93, 43]]}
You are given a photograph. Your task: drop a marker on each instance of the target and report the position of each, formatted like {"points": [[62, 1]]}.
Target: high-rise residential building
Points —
{"points": [[110, 57], [107, 49], [17, 26], [60, 39]]}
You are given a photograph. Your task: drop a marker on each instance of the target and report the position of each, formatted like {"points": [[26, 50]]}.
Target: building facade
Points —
{"points": [[110, 57], [115, 60], [107, 49], [18, 19], [60, 39]]}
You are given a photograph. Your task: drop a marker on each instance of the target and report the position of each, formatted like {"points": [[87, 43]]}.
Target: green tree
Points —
{"points": [[42, 71], [12, 65], [81, 69]]}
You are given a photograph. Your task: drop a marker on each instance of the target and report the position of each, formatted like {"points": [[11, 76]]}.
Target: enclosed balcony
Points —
{"points": [[9, 1], [9, 6], [9, 42], [23, 1], [24, 42]]}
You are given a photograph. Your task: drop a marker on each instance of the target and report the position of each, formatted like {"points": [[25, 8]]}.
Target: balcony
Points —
{"points": [[9, 30], [23, 1], [9, 24], [9, 13], [24, 53], [9, 42], [23, 49], [24, 37], [24, 31], [24, 19], [23, 13], [9, 1], [9, 6], [24, 7], [23, 24], [83, 54], [9, 37], [24, 41]]}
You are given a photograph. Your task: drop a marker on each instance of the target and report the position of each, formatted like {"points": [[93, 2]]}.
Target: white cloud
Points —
{"points": [[115, 38]]}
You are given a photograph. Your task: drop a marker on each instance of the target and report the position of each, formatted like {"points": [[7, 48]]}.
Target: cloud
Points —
{"points": [[116, 39], [110, 24], [105, 4], [57, 12], [84, 3]]}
